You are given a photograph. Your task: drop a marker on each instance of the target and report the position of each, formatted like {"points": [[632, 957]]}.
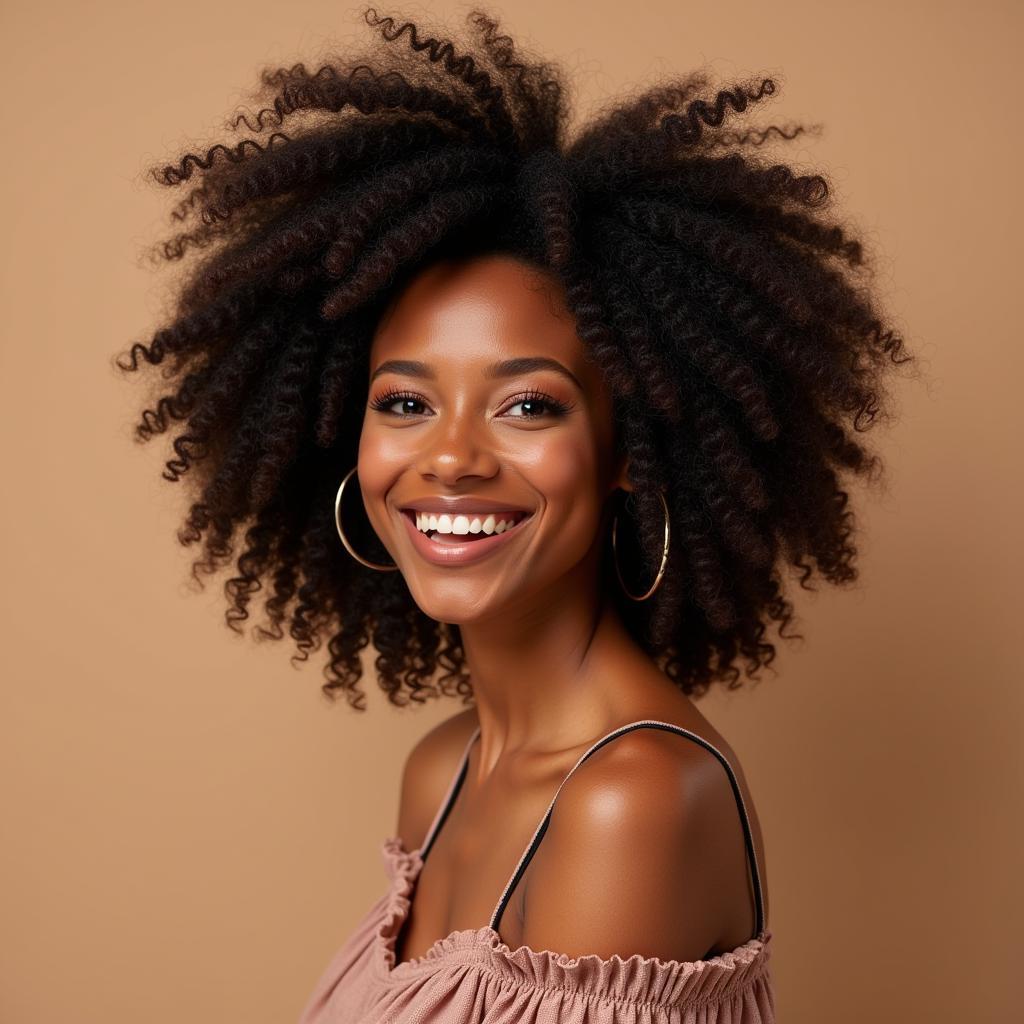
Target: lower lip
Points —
{"points": [[459, 554]]}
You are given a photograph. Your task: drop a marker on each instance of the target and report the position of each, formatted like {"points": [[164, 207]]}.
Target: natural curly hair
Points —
{"points": [[735, 325]]}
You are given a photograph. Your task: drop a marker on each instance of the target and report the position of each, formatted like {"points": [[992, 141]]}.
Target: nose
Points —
{"points": [[456, 447]]}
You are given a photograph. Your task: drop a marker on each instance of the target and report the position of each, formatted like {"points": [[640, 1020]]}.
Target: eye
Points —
{"points": [[538, 404], [390, 398]]}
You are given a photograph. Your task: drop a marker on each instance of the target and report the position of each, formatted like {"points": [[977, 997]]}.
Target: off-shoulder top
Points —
{"points": [[472, 976]]}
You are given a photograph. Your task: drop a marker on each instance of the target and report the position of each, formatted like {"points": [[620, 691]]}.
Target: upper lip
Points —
{"points": [[453, 506]]}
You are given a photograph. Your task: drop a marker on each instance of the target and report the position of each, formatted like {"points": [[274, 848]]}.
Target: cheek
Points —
{"points": [[564, 471], [382, 459]]}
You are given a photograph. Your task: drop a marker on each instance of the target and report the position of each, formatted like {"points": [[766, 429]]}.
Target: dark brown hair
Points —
{"points": [[733, 318]]}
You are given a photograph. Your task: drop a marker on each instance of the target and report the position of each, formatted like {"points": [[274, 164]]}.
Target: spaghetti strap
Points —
{"points": [[534, 843], [449, 798]]}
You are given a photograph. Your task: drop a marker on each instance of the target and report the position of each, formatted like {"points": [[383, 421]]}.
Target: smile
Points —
{"points": [[460, 539]]}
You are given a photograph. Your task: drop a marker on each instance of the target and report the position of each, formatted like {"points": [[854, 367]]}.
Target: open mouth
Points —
{"points": [[458, 529]]}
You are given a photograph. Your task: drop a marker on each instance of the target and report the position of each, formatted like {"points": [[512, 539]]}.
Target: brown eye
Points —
{"points": [[406, 403], [537, 405], [391, 398], [531, 407]]}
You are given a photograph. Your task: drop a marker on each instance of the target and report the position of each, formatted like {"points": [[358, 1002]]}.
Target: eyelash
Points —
{"points": [[389, 398]]}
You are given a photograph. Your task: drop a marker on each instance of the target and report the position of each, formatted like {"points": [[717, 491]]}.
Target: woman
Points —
{"points": [[546, 416]]}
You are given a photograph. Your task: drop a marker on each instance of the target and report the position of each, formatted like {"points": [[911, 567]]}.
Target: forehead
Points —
{"points": [[478, 310]]}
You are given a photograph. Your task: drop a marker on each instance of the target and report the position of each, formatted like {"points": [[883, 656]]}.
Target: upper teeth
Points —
{"points": [[426, 521]]}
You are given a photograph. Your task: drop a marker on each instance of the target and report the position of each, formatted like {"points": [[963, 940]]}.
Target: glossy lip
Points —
{"points": [[458, 554]]}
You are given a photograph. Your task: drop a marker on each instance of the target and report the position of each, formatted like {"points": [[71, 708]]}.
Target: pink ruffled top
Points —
{"points": [[472, 976]]}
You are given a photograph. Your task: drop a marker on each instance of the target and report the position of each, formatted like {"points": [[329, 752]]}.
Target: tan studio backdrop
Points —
{"points": [[190, 829]]}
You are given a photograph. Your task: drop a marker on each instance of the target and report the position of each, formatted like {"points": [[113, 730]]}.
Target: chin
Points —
{"points": [[456, 602]]}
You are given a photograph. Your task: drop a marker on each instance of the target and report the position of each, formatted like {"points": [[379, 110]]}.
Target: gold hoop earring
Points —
{"points": [[341, 532], [664, 555]]}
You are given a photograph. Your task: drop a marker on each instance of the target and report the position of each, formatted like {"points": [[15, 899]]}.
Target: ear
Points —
{"points": [[620, 476]]}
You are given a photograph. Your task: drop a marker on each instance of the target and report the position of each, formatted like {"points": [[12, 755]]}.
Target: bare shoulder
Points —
{"points": [[429, 768], [640, 855], [652, 779]]}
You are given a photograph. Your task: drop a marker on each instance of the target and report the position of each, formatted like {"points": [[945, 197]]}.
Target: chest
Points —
{"points": [[471, 873], [471, 864]]}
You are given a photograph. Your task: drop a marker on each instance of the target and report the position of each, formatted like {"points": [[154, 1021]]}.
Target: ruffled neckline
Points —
{"points": [[636, 978]]}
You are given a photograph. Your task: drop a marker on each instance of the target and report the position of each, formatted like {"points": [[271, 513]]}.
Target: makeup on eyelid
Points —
{"points": [[554, 406]]}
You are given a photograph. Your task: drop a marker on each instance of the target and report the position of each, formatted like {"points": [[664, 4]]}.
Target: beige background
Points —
{"points": [[189, 830]]}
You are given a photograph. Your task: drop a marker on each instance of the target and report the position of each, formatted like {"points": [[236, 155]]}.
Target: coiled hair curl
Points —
{"points": [[733, 319]]}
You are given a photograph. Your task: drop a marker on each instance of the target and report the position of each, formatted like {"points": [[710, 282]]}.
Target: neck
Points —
{"points": [[551, 673]]}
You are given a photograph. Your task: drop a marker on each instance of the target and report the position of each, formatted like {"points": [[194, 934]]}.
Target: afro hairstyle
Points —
{"points": [[731, 314]]}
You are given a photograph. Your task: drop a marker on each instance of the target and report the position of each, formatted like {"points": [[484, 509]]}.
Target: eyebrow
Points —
{"points": [[505, 368]]}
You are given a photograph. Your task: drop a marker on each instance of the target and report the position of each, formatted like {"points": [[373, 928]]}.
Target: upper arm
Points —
{"points": [[631, 860], [428, 770]]}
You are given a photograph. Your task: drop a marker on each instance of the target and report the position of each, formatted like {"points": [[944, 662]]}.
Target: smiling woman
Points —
{"points": [[482, 400], [544, 420]]}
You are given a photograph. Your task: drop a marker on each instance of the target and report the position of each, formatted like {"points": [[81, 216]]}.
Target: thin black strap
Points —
{"points": [[449, 798], [654, 724]]}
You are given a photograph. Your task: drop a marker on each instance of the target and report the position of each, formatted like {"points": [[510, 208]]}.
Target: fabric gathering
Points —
{"points": [[472, 975]]}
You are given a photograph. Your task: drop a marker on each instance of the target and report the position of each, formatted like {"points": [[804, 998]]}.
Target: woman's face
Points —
{"points": [[462, 412]]}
